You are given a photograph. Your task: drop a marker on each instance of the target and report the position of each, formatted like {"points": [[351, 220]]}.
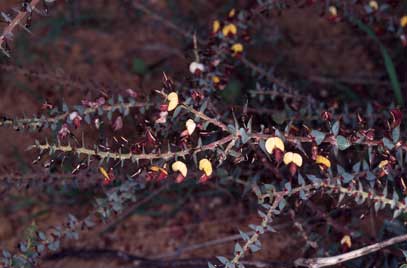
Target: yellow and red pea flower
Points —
{"points": [[384, 168], [323, 162], [346, 242], [157, 173], [181, 168], [333, 15], [374, 5], [196, 68], [275, 146], [215, 79], [232, 13], [190, 125], [403, 21], [237, 49], [172, 101], [206, 166], [215, 26], [293, 161], [107, 177], [229, 30]]}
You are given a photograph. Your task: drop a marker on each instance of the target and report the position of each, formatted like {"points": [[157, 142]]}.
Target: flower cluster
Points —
{"points": [[190, 134]]}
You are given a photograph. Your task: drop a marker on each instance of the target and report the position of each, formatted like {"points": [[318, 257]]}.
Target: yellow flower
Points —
{"points": [[215, 26], [274, 143], [333, 11], [104, 172], [215, 79], [179, 166], [322, 160], [403, 21], [346, 241], [190, 124], [291, 157], [374, 5], [237, 48], [232, 13], [158, 169], [229, 29], [206, 166], [383, 163], [172, 101]]}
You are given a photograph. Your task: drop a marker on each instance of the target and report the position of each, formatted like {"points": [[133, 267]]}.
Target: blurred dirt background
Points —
{"points": [[83, 47]]}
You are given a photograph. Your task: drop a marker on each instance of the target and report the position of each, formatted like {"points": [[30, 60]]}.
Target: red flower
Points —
{"points": [[63, 132], [397, 116]]}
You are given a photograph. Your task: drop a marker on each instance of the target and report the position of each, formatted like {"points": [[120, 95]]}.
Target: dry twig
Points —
{"points": [[329, 261]]}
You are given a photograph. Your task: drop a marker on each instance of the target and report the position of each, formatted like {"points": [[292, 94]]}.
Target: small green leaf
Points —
{"points": [[245, 138], [396, 134], [254, 248], [223, 260], [335, 128], [244, 236], [318, 136], [347, 177], [342, 143], [388, 143], [238, 249]]}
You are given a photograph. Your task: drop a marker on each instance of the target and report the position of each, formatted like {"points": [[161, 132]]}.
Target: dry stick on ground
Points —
{"points": [[18, 20], [328, 261]]}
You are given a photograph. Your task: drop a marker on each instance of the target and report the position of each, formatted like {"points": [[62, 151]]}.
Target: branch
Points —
{"points": [[8, 31], [328, 261], [130, 155], [39, 122], [266, 220]]}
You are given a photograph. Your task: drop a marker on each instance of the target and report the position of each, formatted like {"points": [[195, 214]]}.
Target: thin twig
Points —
{"points": [[130, 155], [266, 220], [39, 122], [18, 20]]}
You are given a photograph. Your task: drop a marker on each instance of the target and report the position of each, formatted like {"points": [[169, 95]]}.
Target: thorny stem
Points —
{"points": [[258, 136], [350, 191], [8, 31], [275, 93], [365, 195], [39, 122], [266, 220], [205, 117], [166, 156], [328, 261], [130, 156]]}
